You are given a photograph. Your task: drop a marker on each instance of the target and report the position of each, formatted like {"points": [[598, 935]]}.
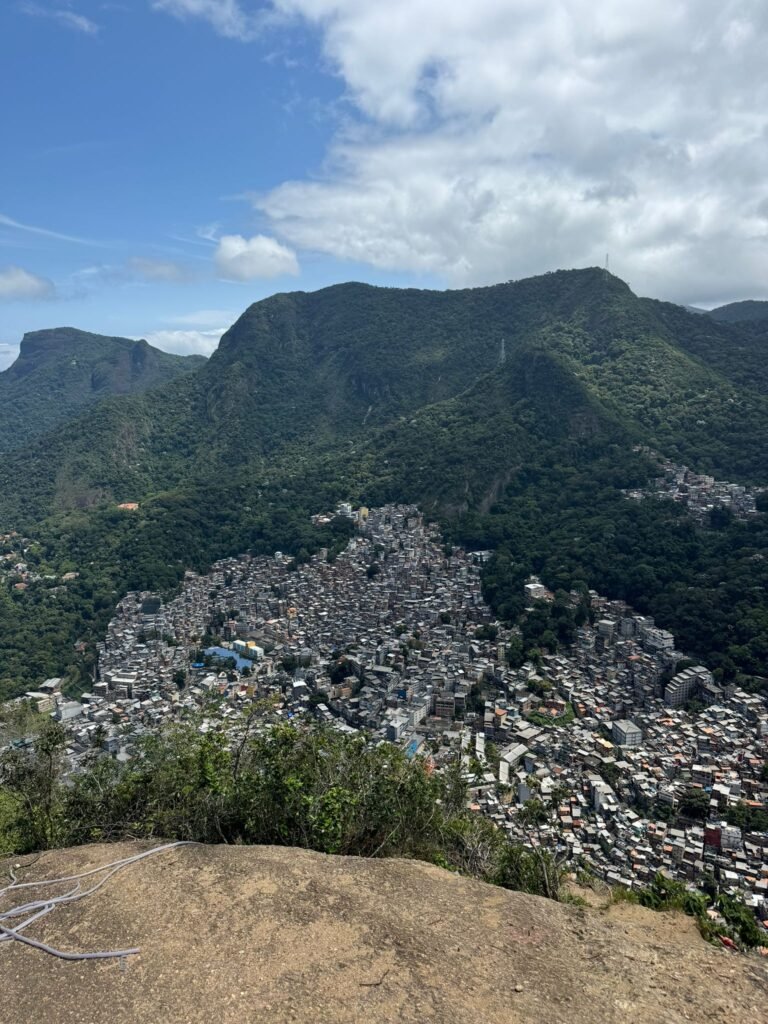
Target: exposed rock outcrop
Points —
{"points": [[234, 934]]}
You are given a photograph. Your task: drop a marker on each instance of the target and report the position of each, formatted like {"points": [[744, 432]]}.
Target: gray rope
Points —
{"points": [[40, 908], [11, 934]]}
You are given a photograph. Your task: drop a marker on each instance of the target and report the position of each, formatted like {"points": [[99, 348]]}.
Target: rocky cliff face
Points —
{"points": [[234, 934]]}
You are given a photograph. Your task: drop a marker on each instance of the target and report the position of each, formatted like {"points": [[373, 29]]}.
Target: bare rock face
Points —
{"points": [[238, 934]]}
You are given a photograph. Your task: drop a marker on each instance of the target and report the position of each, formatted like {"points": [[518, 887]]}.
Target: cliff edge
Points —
{"points": [[233, 934]]}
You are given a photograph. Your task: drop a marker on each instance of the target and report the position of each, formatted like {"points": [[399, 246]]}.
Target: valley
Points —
{"points": [[520, 593]]}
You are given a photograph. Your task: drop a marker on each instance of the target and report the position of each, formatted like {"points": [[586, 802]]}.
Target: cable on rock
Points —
{"points": [[36, 909]]}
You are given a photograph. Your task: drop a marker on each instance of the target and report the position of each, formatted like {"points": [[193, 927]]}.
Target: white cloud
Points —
{"points": [[16, 283], [31, 229], [77, 21], [243, 259], [495, 140], [186, 343], [159, 270], [209, 232], [8, 354], [202, 330], [69, 19]]}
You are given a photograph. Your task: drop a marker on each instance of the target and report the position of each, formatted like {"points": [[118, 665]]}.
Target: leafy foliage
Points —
{"points": [[315, 789], [668, 894], [734, 312]]}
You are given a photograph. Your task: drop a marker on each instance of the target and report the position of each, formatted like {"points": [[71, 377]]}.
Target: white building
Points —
{"points": [[626, 733]]}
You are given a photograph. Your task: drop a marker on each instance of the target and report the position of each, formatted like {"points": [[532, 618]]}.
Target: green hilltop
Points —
{"points": [[736, 312], [510, 412], [62, 370]]}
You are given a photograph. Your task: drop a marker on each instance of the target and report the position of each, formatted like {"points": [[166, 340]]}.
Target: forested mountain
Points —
{"points": [[60, 371], [510, 411], [320, 370], [735, 312]]}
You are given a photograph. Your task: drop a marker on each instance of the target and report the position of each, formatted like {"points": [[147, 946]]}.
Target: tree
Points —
{"points": [[492, 755], [34, 782], [514, 652], [531, 870], [694, 803], [533, 812]]}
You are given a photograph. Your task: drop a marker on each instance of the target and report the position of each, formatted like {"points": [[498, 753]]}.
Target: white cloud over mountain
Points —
{"points": [[195, 333], [186, 343], [245, 259], [17, 283], [504, 137]]}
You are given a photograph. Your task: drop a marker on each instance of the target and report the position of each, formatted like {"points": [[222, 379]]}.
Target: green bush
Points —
{"points": [[314, 788], [668, 894], [530, 870]]}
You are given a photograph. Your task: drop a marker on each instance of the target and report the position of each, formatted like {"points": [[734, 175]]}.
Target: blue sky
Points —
{"points": [[167, 162], [137, 141]]}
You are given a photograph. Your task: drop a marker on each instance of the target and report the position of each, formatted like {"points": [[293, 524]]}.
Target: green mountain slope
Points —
{"points": [[510, 411], [60, 371], [734, 312], [323, 370]]}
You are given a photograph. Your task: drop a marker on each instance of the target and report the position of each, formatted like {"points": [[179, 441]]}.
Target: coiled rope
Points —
{"points": [[36, 909]]}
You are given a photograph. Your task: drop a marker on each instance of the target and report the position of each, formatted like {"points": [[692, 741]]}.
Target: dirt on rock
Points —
{"points": [[238, 934]]}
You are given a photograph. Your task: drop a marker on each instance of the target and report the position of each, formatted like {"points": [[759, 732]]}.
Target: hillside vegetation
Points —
{"points": [[60, 371], [735, 312], [509, 412]]}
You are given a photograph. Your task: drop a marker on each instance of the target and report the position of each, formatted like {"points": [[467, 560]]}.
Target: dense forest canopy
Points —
{"points": [[512, 413]]}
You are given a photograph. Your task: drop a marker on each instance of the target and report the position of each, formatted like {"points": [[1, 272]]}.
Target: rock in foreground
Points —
{"points": [[234, 934]]}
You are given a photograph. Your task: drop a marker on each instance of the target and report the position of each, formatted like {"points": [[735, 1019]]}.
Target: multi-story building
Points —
{"points": [[626, 733]]}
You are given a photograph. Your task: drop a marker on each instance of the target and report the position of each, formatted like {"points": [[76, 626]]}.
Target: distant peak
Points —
{"points": [[749, 309]]}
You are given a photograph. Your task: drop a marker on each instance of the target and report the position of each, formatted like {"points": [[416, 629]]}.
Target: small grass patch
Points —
{"points": [[547, 722]]}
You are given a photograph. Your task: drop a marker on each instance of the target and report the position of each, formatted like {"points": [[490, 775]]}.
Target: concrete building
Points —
{"points": [[626, 733]]}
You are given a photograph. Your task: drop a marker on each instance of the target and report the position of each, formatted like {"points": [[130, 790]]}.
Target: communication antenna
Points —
{"points": [[607, 263]]}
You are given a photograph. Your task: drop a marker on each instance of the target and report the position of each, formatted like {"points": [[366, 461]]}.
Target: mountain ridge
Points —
{"points": [[60, 371], [736, 312], [502, 410]]}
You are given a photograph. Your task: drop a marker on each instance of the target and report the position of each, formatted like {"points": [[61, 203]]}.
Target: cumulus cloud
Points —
{"points": [[244, 259], [198, 332], [17, 283], [495, 140], [186, 343]]}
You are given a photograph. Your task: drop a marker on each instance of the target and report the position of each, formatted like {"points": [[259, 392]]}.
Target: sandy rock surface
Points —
{"points": [[239, 934]]}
